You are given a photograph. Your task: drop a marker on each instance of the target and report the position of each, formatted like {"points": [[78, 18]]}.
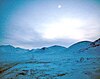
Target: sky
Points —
{"points": [[40, 23]]}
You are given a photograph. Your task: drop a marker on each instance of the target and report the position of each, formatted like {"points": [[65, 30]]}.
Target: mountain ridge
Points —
{"points": [[77, 47], [80, 61], [8, 45]]}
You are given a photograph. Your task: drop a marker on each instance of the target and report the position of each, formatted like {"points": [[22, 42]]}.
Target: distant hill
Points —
{"points": [[79, 61], [80, 48]]}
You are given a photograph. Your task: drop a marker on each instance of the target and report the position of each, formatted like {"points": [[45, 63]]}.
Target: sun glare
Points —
{"points": [[59, 6], [65, 28]]}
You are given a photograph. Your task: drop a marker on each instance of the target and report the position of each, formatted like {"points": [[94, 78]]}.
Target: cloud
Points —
{"points": [[36, 24], [25, 38]]}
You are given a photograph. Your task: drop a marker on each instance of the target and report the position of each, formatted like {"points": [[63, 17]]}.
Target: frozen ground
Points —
{"points": [[79, 61]]}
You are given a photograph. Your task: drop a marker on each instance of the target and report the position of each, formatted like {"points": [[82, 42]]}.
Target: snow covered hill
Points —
{"points": [[79, 61], [79, 46], [86, 48], [10, 49], [9, 54], [94, 48], [52, 49]]}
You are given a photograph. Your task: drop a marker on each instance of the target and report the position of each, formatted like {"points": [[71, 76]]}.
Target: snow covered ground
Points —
{"points": [[79, 61]]}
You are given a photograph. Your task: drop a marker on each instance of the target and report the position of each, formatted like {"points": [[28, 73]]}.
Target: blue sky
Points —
{"points": [[39, 23]]}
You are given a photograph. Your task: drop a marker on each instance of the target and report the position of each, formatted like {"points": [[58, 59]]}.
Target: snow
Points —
{"points": [[79, 61]]}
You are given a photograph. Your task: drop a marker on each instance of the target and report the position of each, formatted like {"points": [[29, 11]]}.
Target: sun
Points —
{"points": [[59, 6]]}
